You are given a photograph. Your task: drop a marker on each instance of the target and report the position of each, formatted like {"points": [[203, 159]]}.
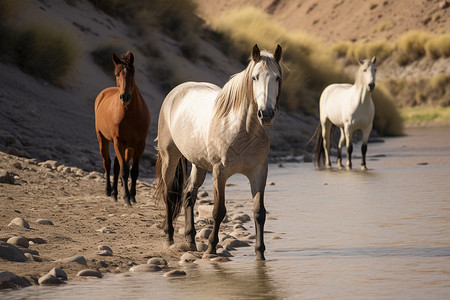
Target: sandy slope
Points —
{"points": [[335, 20]]}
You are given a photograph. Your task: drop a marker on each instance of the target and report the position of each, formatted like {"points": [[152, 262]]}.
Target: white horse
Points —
{"points": [[349, 107], [221, 130]]}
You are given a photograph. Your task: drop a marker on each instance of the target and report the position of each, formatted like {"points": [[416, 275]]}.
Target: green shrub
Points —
{"points": [[438, 46], [46, 53], [309, 64], [411, 46]]}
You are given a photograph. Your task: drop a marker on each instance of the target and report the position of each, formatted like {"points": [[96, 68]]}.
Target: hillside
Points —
{"points": [[43, 121], [337, 20]]}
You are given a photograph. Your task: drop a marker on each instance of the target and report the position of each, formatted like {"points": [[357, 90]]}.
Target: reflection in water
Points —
{"points": [[381, 234]]}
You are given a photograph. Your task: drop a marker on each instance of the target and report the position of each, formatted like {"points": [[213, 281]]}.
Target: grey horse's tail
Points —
{"points": [[173, 197]]}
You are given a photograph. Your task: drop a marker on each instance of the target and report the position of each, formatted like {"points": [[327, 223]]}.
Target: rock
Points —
{"points": [[188, 258], [10, 280], [104, 253], [224, 253], [78, 259], [175, 273], [18, 241], [106, 230], [239, 234], [239, 226], [220, 259], [11, 253], [443, 4], [145, 268], [6, 177], [38, 241], [241, 217], [20, 222], [203, 194], [58, 273], [201, 246], [205, 211], [49, 279], [103, 247], [18, 165], [44, 222], [49, 164], [159, 261], [205, 233], [89, 273], [235, 243]]}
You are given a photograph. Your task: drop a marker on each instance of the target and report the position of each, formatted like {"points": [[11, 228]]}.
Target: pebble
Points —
{"points": [[220, 259], [235, 243], [157, 261], [175, 273], [58, 273], [18, 165], [11, 280], [44, 222], [103, 247], [203, 194], [49, 279], [201, 246], [104, 253], [11, 253], [6, 177], [50, 164], [18, 241], [205, 233], [145, 268], [241, 217], [78, 259], [205, 211], [224, 253], [89, 273], [188, 258], [106, 230], [20, 222]]}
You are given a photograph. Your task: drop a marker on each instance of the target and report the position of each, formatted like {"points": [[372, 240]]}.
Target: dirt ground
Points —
{"points": [[83, 217]]}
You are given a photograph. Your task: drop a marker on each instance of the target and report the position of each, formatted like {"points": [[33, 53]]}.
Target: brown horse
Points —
{"points": [[121, 116]]}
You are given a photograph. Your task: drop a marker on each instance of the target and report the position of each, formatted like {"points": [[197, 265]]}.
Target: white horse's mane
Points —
{"points": [[239, 89]]}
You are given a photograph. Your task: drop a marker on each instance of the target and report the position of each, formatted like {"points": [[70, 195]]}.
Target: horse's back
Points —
{"points": [[185, 117]]}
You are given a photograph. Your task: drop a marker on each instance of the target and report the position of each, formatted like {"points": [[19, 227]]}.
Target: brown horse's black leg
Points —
{"points": [[124, 174], [116, 178], [104, 151], [349, 154], [134, 175], [219, 210]]}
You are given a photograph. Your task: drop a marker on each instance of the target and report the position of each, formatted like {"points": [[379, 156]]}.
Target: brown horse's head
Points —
{"points": [[124, 72]]}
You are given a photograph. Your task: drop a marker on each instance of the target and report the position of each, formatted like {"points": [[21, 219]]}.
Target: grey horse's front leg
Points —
{"points": [[258, 184], [219, 210]]}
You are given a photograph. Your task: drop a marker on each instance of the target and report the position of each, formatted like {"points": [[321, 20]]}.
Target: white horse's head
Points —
{"points": [[368, 72], [267, 77]]}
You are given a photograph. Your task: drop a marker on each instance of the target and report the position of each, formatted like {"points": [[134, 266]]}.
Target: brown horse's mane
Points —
{"points": [[239, 89]]}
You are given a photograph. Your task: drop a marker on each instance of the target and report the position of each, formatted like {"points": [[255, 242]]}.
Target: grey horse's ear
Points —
{"points": [[116, 59], [278, 52], [256, 54], [373, 60], [361, 62]]}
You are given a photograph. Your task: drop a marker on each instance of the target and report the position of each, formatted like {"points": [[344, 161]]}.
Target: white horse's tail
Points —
{"points": [[319, 151]]}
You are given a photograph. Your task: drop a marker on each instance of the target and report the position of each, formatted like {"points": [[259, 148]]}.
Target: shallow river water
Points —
{"points": [[331, 234]]}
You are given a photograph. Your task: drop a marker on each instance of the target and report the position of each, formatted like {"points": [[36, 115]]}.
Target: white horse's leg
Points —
{"points": [[219, 211], [349, 145], [258, 184], [326, 135], [366, 134], [197, 178], [341, 142]]}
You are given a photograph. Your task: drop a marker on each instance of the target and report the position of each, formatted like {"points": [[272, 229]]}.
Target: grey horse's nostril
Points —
{"points": [[260, 114]]}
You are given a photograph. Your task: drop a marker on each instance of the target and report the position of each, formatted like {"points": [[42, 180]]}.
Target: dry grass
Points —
{"points": [[438, 46], [309, 64], [425, 114]]}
